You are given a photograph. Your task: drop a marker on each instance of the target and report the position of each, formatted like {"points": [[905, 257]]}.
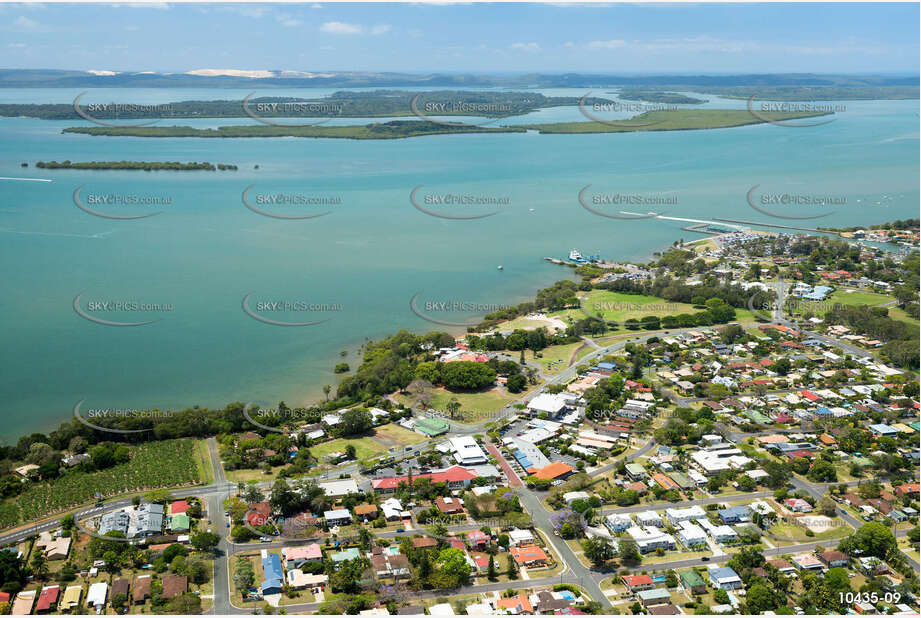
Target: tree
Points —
{"points": [[629, 552], [39, 566], [491, 572], [599, 550], [827, 506], [760, 598], [355, 422], [350, 451], [284, 500], [453, 565], [453, 407], [512, 570], [205, 541], [516, 383], [871, 539], [253, 494], [119, 600], [720, 596], [244, 575], [326, 389]]}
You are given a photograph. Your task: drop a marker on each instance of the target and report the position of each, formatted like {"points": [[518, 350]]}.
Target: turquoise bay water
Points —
{"points": [[371, 255]]}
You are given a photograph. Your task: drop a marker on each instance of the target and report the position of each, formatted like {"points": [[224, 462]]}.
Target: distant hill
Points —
{"points": [[799, 84]]}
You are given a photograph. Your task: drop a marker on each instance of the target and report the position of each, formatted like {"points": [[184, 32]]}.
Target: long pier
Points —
{"points": [[785, 227]]}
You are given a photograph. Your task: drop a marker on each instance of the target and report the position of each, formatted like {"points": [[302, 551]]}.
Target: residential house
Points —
{"points": [[724, 577]]}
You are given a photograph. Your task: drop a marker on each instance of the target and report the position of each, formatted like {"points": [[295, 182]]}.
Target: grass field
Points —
{"points": [[203, 461], [561, 353], [399, 435], [899, 314], [853, 298], [619, 307], [365, 448]]}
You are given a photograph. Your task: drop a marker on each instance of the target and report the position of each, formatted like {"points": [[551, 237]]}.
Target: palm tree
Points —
{"points": [[453, 406], [326, 389], [39, 566]]}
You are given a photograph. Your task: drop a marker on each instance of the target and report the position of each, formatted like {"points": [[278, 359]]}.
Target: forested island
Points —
{"points": [[342, 104], [653, 96], [147, 166], [671, 120]]}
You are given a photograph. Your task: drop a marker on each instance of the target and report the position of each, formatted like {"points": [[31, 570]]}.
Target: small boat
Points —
{"points": [[500, 267], [576, 256]]}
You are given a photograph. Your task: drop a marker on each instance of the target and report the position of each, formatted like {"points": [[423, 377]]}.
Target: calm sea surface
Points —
{"points": [[357, 268]]}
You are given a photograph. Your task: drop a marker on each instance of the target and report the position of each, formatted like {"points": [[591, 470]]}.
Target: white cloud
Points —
{"points": [[16, 45], [338, 27], [610, 44], [252, 11], [380, 29], [25, 23], [290, 23], [528, 47]]}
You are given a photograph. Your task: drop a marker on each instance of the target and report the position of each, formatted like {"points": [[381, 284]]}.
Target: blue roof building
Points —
{"points": [[884, 430], [274, 576], [734, 514], [606, 366]]}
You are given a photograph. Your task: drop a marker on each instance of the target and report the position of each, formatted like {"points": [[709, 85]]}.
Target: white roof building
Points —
{"points": [[649, 539], [676, 516], [336, 489], [547, 403], [691, 534], [720, 534], [518, 536], [97, 594], [648, 518], [467, 452]]}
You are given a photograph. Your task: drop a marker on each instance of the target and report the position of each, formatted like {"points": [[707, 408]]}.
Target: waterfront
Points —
{"points": [[372, 254]]}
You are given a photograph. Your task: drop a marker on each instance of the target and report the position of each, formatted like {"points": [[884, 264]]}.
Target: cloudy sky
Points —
{"points": [[615, 38]]}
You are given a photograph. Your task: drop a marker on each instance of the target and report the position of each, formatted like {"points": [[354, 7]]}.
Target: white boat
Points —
{"points": [[500, 267], [575, 255]]}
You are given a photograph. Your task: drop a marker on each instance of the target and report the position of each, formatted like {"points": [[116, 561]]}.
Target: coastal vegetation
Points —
{"points": [[342, 104], [654, 96], [659, 120], [147, 166], [394, 129]]}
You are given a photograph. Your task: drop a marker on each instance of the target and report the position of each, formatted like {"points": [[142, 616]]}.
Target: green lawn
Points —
{"points": [[619, 307], [365, 448], [561, 353], [401, 435], [852, 298]]}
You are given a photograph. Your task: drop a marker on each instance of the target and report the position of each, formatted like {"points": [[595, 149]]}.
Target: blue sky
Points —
{"points": [[616, 38]]}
